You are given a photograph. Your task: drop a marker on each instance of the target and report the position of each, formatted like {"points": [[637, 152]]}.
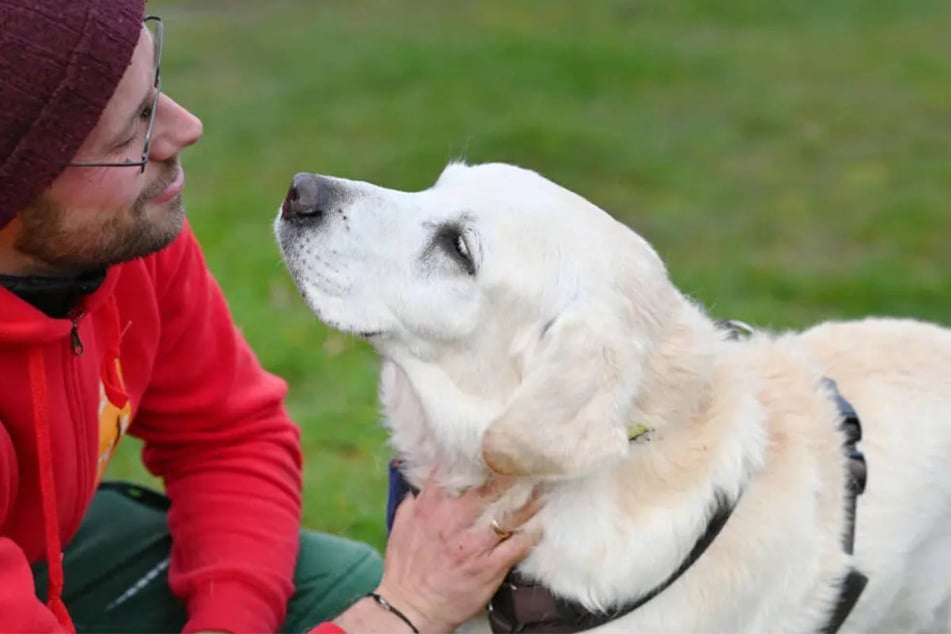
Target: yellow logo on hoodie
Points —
{"points": [[115, 413]]}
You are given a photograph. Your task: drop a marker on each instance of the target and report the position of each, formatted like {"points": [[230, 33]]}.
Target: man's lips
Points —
{"points": [[171, 190]]}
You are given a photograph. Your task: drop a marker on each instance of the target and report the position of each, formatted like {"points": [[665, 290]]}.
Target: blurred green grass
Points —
{"points": [[789, 160]]}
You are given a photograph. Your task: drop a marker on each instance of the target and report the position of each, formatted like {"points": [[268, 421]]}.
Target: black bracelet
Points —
{"points": [[389, 608]]}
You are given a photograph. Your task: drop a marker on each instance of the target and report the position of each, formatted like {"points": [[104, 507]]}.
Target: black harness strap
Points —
{"points": [[522, 606], [849, 594], [854, 582]]}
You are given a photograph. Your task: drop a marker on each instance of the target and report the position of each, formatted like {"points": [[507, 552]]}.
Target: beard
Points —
{"points": [[74, 248]]}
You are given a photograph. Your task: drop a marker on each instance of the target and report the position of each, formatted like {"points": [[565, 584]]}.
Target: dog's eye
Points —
{"points": [[462, 248], [454, 242]]}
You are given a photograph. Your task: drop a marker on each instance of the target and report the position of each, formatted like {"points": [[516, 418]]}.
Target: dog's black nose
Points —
{"points": [[308, 198]]}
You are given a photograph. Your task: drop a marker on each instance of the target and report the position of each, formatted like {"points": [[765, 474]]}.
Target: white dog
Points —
{"points": [[526, 332]]}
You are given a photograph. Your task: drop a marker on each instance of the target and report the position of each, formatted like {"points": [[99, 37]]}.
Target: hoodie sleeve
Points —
{"points": [[215, 429], [20, 610]]}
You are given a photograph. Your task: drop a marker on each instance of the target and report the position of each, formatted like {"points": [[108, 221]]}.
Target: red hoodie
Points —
{"points": [[154, 345]]}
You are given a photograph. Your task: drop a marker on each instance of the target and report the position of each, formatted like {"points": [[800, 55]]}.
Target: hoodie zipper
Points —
{"points": [[75, 400], [74, 338]]}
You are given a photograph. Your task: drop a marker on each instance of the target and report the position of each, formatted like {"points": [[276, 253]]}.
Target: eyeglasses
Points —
{"points": [[154, 24]]}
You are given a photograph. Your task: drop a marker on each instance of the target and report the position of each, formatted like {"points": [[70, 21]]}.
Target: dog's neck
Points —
{"points": [[650, 506], [693, 455], [684, 399], [677, 383], [423, 446]]}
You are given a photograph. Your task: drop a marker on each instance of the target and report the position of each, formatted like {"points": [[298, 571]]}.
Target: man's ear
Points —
{"points": [[569, 415]]}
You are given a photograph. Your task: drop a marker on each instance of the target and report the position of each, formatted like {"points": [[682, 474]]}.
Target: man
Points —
{"points": [[110, 323]]}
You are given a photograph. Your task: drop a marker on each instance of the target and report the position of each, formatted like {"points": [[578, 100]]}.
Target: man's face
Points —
{"points": [[91, 217]]}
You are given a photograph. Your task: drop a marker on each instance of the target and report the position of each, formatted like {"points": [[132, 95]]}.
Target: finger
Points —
{"points": [[462, 511], [403, 509], [513, 550], [513, 520], [428, 487], [494, 488], [452, 513], [433, 498], [500, 530], [504, 525]]}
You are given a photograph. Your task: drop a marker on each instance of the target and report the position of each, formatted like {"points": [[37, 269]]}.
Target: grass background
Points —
{"points": [[789, 159]]}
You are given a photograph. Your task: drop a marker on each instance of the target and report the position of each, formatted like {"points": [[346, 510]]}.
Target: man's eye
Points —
{"points": [[126, 143]]}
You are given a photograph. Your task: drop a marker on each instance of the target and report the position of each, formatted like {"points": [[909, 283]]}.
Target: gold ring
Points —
{"points": [[501, 532]]}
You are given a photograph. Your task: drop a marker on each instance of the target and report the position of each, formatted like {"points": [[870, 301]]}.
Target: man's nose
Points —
{"points": [[175, 129], [310, 197]]}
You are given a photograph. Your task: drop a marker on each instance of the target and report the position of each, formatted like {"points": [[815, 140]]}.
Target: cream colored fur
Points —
{"points": [[570, 332]]}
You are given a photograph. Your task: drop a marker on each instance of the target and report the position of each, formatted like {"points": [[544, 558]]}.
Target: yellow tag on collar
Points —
{"points": [[635, 432]]}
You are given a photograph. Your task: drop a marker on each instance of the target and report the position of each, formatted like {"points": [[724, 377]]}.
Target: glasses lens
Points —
{"points": [[154, 25]]}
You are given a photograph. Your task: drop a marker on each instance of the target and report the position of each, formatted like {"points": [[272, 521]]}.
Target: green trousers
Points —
{"points": [[116, 569]]}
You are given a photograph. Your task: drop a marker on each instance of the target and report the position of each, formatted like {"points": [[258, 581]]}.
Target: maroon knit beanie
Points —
{"points": [[60, 63]]}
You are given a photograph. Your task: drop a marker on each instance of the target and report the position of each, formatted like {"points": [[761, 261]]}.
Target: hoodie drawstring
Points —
{"points": [[44, 451]]}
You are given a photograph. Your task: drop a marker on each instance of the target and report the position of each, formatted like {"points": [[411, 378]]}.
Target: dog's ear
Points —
{"points": [[569, 415]]}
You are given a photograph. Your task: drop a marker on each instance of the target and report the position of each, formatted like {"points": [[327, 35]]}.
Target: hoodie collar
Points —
{"points": [[21, 322], [53, 296]]}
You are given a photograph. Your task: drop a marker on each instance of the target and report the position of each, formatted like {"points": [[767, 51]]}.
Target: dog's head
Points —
{"points": [[522, 314]]}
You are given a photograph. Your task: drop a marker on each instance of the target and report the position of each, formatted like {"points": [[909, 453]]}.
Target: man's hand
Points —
{"points": [[439, 569]]}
